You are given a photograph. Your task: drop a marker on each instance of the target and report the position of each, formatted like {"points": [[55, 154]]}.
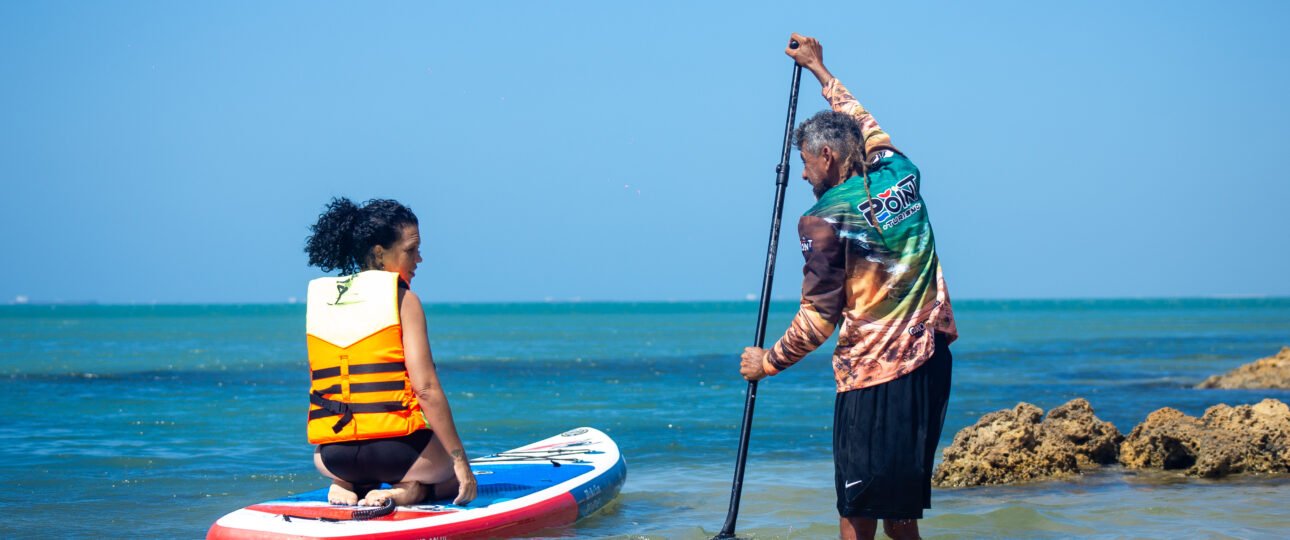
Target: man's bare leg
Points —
{"points": [[901, 529], [855, 528]]}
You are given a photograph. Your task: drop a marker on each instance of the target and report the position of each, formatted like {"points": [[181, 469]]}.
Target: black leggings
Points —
{"points": [[374, 461]]}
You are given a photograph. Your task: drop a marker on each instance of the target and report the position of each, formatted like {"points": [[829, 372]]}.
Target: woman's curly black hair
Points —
{"points": [[345, 233]]}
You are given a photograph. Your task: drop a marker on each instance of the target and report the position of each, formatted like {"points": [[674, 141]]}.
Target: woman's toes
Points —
{"points": [[376, 497], [340, 495]]}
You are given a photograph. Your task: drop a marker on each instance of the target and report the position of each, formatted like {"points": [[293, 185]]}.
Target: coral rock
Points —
{"points": [[1225, 440], [1167, 439], [1016, 446], [1074, 426], [1270, 372]]}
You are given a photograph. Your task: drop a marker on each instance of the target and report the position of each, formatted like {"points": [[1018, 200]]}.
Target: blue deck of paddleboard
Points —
{"points": [[498, 483]]}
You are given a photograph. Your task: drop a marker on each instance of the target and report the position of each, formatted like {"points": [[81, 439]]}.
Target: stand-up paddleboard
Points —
{"points": [[549, 483]]}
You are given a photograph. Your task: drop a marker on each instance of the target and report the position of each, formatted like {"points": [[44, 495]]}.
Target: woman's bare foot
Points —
{"points": [[403, 493], [342, 494]]}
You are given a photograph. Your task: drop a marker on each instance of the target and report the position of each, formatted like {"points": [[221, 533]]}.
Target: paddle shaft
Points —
{"points": [[781, 184]]}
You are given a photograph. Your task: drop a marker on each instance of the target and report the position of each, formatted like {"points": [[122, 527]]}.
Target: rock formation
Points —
{"points": [[1073, 426], [1270, 372], [1016, 446], [1225, 440]]}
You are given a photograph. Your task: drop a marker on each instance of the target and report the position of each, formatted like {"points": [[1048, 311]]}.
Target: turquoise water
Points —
{"points": [[153, 421]]}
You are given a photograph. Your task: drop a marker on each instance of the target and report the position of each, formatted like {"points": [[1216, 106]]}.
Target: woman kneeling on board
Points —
{"points": [[377, 411]]}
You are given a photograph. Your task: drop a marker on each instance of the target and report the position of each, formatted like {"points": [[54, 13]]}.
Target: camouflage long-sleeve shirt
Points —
{"points": [[871, 267]]}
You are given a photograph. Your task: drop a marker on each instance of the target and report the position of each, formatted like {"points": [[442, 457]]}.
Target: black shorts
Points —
{"points": [[373, 462], [884, 441]]}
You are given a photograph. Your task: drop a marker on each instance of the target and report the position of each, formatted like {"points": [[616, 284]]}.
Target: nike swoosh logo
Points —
{"points": [[849, 484]]}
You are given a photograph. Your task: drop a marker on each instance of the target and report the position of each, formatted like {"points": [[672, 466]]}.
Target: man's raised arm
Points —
{"points": [[810, 55]]}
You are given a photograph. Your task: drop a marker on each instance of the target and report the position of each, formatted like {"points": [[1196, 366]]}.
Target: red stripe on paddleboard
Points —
{"points": [[220, 532], [336, 512], [559, 510]]}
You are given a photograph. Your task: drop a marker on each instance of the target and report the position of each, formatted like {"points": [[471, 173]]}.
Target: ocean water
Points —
{"points": [[153, 421]]}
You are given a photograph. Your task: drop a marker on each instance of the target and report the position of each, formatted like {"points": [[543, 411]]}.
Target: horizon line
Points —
{"points": [[576, 301]]}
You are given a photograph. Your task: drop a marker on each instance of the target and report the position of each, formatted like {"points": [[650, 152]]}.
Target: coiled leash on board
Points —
{"points": [[365, 514]]}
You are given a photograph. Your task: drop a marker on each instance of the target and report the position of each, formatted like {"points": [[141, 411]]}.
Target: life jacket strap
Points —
{"points": [[331, 407], [359, 369], [359, 388]]}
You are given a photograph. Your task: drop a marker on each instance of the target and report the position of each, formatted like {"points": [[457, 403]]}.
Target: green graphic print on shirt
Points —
{"points": [[871, 266]]}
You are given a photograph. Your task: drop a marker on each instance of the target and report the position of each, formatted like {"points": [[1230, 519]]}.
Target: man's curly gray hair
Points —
{"points": [[838, 131]]}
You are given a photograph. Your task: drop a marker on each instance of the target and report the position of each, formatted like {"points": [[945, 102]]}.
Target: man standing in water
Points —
{"points": [[871, 266]]}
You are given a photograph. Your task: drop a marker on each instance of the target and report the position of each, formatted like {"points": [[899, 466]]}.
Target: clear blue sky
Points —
{"points": [[178, 151]]}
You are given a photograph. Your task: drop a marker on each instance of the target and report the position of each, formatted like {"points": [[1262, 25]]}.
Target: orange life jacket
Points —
{"points": [[360, 387]]}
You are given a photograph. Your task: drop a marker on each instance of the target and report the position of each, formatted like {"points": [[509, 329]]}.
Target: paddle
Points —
{"points": [[781, 183]]}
